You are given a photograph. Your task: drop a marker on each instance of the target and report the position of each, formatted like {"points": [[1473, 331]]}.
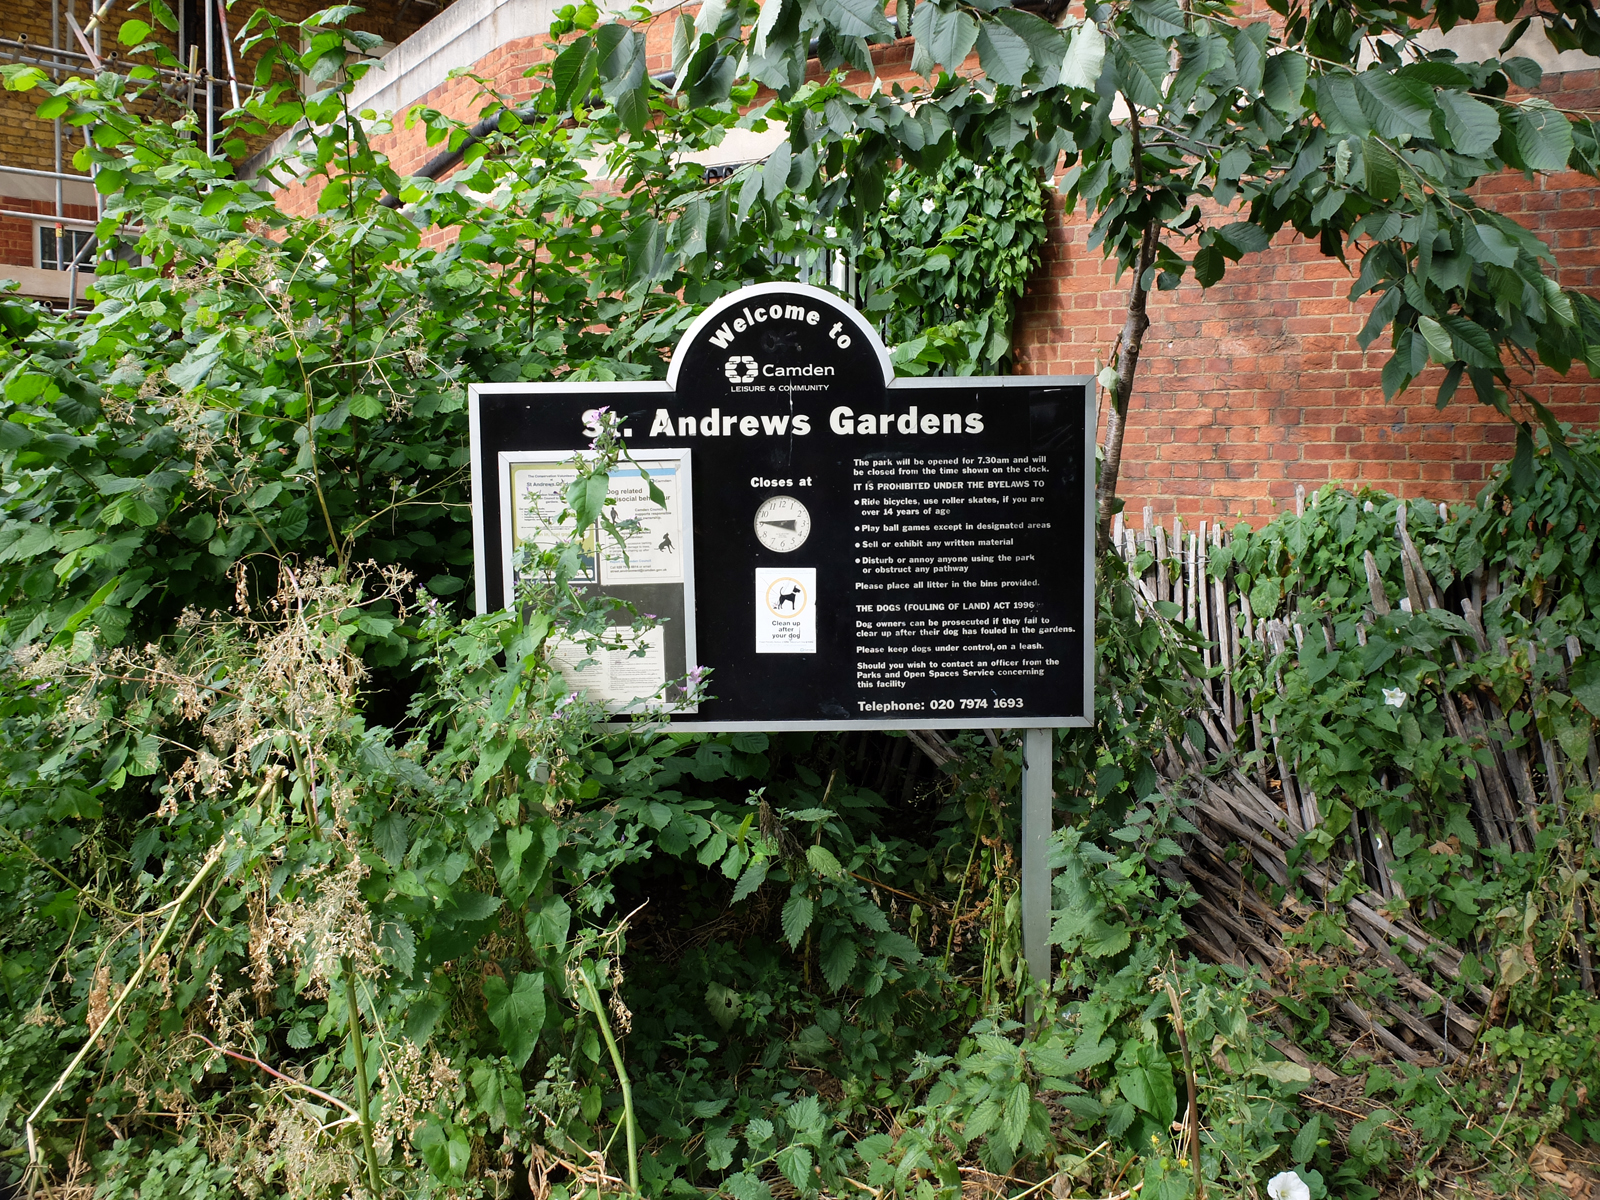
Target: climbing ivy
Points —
{"points": [[946, 258]]}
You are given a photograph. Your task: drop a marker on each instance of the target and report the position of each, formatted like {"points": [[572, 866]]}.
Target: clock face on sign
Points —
{"points": [[782, 524]]}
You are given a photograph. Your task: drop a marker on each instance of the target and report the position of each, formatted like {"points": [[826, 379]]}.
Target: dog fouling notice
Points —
{"points": [[786, 610]]}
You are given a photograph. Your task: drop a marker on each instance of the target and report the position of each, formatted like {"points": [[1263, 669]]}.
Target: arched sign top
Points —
{"points": [[839, 548], [774, 338]]}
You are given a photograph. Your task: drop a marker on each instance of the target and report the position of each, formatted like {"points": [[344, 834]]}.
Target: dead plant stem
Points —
{"points": [[111, 1013], [1193, 1121]]}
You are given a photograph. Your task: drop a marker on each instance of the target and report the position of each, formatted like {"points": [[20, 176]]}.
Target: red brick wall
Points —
{"points": [[17, 236], [1248, 389], [1258, 385]]}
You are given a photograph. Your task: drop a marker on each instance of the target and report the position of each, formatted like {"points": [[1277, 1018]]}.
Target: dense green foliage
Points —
{"points": [[1261, 127], [948, 256], [444, 937]]}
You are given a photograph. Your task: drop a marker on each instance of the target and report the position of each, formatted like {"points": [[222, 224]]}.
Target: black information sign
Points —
{"points": [[840, 548]]}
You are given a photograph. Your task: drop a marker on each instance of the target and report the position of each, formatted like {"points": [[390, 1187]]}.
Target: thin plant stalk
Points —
{"points": [[360, 1051], [622, 1078], [1193, 1121], [961, 892], [111, 1013]]}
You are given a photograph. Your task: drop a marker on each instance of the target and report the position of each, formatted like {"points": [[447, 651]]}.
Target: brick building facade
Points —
{"points": [[47, 206], [1245, 391]]}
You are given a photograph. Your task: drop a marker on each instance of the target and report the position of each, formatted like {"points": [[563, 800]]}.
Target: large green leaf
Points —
{"points": [[771, 10], [573, 72], [839, 961], [1158, 18], [1145, 1077], [796, 919], [1002, 54], [517, 1012], [1141, 68], [1486, 242], [795, 1163], [1382, 169], [445, 1149], [857, 18], [1045, 44], [620, 59], [1284, 83], [1085, 54], [1438, 339], [1471, 341], [1395, 104], [1543, 135], [1250, 55], [1586, 683], [944, 38], [1473, 126], [1018, 1107], [1338, 106], [1088, 1053]]}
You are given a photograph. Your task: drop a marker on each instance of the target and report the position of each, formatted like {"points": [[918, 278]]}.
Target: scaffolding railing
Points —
{"points": [[195, 89]]}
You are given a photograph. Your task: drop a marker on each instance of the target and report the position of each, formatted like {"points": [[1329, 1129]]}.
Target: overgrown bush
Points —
{"points": [[347, 889]]}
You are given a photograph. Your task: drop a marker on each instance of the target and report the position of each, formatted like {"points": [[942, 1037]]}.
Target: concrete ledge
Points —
{"points": [[31, 187], [38, 284], [1480, 41], [459, 37]]}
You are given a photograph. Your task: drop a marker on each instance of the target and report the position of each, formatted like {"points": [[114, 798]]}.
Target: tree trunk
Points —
{"points": [[1127, 365]]}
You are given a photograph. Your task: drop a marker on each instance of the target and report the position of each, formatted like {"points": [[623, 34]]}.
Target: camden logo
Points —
{"points": [[741, 368]]}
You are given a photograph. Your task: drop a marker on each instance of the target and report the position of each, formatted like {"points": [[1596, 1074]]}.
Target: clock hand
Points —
{"points": [[789, 525]]}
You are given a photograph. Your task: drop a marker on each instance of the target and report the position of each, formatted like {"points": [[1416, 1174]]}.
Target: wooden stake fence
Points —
{"points": [[1248, 824]]}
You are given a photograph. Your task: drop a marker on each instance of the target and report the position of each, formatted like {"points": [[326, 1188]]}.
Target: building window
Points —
{"points": [[58, 251]]}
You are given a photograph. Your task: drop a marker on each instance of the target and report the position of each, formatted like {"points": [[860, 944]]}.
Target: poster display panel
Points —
{"points": [[849, 549]]}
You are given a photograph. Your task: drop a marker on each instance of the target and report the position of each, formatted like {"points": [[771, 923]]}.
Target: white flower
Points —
{"points": [[1394, 697], [927, 205], [1288, 1186]]}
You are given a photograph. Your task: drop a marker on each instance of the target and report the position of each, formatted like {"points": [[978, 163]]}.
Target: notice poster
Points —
{"points": [[537, 495], [651, 569], [786, 610], [620, 678], [653, 550]]}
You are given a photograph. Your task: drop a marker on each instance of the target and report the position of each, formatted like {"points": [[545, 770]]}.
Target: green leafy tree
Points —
{"points": [[1194, 136]]}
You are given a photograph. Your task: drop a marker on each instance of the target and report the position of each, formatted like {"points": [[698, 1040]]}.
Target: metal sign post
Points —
{"points": [[839, 548], [1037, 772]]}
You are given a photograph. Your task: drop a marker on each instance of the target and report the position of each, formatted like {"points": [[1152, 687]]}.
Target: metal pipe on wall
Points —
{"points": [[10, 170], [55, 77], [227, 49], [211, 75], [74, 222]]}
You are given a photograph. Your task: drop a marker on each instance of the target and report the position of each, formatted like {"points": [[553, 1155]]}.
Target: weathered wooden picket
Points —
{"points": [[1268, 809]]}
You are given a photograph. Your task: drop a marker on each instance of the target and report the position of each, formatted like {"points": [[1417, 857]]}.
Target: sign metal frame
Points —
{"points": [[668, 389]]}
